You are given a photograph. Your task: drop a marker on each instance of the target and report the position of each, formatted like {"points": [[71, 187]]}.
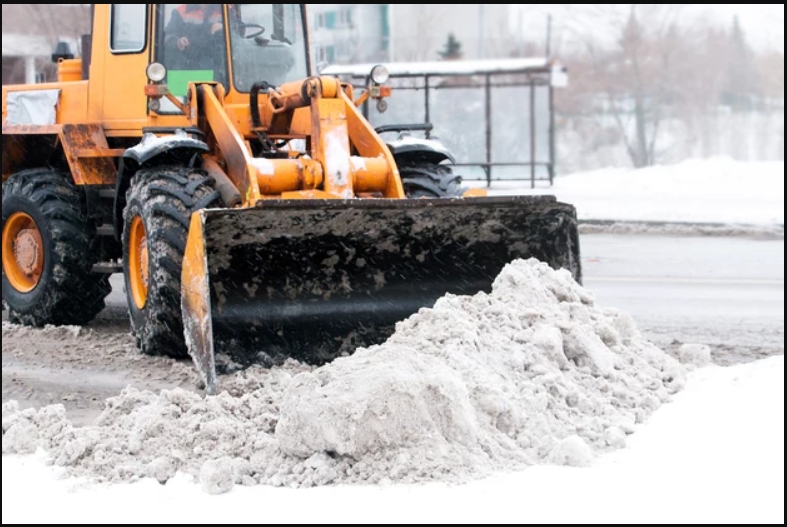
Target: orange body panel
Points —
{"points": [[69, 70], [118, 99], [72, 107], [88, 154]]}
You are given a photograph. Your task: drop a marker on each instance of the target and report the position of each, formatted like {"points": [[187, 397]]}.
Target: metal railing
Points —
{"points": [[540, 167]]}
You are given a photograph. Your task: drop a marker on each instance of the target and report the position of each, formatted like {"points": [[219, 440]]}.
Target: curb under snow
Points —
{"points": [[771, 232]]}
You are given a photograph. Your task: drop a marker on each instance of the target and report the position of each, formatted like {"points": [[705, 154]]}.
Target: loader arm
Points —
{"points": [[347, 158]]}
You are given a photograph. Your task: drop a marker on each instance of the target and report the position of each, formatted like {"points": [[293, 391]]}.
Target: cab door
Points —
{"points": [[118, 71]]}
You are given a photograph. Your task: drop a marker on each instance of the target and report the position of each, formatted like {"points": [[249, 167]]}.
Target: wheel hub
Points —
{"points": [[27, 250], [23, 252], [143, 261], [139, 266]]}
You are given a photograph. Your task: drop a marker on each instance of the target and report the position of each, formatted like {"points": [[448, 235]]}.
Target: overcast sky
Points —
{"points": [[764, 23]]}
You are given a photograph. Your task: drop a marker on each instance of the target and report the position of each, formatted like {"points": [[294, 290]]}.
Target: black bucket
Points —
{"points": [[313, 280]]}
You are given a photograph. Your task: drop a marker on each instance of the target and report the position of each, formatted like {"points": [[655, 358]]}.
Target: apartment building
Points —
{"points": [[352, 33]]}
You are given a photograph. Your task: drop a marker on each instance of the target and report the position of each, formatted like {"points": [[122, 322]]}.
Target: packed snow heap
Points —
{"points": [[532, 373]]}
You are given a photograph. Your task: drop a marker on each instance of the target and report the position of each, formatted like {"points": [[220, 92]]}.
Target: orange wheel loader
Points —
{"points": [[254, 212]]}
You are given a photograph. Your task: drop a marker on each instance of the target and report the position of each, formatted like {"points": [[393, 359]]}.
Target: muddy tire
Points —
{"points": [[425, 180], [158, 213], [48, 274]]}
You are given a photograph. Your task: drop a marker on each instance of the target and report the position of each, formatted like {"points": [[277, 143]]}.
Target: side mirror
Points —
{"points": [[62, 52]]}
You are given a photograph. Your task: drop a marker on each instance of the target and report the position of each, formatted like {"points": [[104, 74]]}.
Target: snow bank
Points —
{"points": [[718, 190], [533, 373]]}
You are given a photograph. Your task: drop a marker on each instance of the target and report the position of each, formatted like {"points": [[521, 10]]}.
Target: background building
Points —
{"points": [[347, 33], [353, 33]]}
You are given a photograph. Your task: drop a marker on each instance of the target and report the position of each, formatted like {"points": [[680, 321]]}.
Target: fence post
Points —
{"points": [[488, 96], [532, 132]]}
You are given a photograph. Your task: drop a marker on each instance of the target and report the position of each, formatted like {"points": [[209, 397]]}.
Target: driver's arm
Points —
{"points": [[175, 29]]}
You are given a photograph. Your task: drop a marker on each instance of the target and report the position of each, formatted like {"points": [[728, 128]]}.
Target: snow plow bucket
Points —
{"points": [[312, 280]]}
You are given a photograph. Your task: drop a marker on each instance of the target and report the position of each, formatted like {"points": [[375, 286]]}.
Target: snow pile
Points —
{"points": [[484, 381], [533, 373], [720, 190]]}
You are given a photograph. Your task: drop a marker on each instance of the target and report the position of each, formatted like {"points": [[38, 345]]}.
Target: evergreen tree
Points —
{"points": [[453, 49], [741, 75]]}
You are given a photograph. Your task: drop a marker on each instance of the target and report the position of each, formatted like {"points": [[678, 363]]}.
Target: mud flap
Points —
{"points": [[312, 280]]}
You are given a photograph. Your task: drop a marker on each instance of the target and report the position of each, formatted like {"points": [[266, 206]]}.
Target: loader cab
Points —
{"points": [[236, 45]]}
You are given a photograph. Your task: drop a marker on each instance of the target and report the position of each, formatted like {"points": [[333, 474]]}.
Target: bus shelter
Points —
{"points": [[496, 116]]}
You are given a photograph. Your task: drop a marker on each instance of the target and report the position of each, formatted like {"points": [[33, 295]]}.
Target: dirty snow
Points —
{"points": [[59, 333], [719, 190], [533, 373]]}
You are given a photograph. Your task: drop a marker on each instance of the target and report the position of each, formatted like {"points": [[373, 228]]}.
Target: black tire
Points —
{"points": [[67, 292], [426, 180], [164, 198]]}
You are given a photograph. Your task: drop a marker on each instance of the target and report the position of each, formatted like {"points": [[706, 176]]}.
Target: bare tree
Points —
{"points": [[662, 85], [50, 21], [416, 40], [771, 70], [635, 69]]}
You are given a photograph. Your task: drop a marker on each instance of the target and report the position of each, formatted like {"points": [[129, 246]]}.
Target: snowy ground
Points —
{"points": [[701, 191], [714, 455]]}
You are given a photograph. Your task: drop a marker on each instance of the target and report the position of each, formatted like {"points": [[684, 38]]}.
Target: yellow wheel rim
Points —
{"points": [[138, 263], [23, 252]]}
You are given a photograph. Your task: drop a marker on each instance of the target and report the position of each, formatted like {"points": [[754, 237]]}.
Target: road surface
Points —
{"points": [[727, 293], [724, 292]]}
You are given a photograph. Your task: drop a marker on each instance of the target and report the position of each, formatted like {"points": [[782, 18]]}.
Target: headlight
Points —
{"points": [[380, 74], [156, 72]]}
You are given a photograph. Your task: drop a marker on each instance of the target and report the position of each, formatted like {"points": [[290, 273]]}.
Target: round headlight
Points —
{"points": [[156, 72], [380, 74]]}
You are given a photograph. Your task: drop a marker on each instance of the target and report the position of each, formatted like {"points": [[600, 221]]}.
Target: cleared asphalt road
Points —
{"points": [[724, 292]]}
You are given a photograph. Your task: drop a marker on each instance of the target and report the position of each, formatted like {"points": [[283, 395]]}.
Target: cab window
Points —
{"points": [[128, 28]]}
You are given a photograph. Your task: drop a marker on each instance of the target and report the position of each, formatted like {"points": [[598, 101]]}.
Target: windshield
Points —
{"points": [[192, 45], [268, 44]]}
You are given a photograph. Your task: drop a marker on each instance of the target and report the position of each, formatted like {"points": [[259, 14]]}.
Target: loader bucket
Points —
{"points": [[312, 280]]}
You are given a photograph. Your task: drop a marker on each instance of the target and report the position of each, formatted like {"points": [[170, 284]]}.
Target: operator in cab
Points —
{"points": [[193, 34]]}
